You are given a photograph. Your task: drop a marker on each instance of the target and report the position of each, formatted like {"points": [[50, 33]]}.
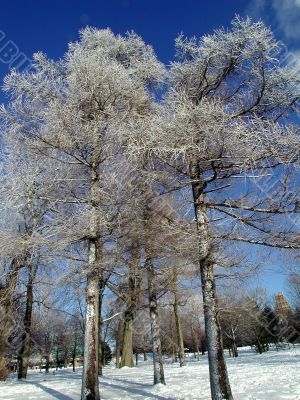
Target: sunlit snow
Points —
{"points": [[270, 376]]}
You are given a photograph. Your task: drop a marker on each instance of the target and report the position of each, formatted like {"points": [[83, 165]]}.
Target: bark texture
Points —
{"points": [[132, 302], [118, 353], [127, 352], [101, 294], [90, 383], [219, 382], [159, 376], [6, 311], [26, 338], [178, 320]]}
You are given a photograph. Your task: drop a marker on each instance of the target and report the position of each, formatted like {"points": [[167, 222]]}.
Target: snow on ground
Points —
{"points": [[270, 376]]}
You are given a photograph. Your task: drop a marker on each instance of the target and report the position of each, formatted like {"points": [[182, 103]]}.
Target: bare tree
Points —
{"points": [[74, 112], [225, 118]]}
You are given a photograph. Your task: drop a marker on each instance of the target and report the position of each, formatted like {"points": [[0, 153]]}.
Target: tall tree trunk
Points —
{"points": [[219, 382], [26, 338], [6, 311], [118, 351], [259, 346], [132, 301], [178, 321], [234, 350], [172, 339], [127, 352], [47, 362], [57, 359], [101, 294], [234, 346], [159, 376], [220, 387], [74, 349], [66, 361], [74, 359], [195, 341], [100, 349], [179, 335], [90, 381], [4, 334]]}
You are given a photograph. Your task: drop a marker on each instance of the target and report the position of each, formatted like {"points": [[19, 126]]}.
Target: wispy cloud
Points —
{"points": [[288, 17], [256, 7], [284, 14]]}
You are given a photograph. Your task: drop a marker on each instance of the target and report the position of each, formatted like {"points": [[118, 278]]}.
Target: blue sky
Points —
{"points": [[48, 26]]}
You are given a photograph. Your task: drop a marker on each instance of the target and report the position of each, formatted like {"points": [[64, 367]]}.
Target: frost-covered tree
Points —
{"points": [[72, 114], [21, 244], [225, 119], [225, 116]]}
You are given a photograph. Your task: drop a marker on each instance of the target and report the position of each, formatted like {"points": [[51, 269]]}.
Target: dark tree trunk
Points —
{"points": [[26, 338], [100, 351], [196, 343], [233, 343], [234, 350], [172, 339], [6, 311], [132, 302], [178, 322], [47, 362], [219, 382], [179, 336], [259, 347], [57, 360], [66, 360], [74, 350], [145, 356], [159, 376], [101, 294], [5, 330], [118, 353]]}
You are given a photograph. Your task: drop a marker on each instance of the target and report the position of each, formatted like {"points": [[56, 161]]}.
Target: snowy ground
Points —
{"points": [[270, 376]]}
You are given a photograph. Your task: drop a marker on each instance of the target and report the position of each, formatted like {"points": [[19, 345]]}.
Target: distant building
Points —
{"points": [[282, 306]]}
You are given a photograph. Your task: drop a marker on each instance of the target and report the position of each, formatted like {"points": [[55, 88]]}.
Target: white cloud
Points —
{"points": [[256, 7], [288, 17], [285, 14]]}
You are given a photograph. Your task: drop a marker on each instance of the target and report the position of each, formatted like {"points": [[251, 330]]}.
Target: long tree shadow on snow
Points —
{"points": [[52, 392], [146, 395], [144, 385]]}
